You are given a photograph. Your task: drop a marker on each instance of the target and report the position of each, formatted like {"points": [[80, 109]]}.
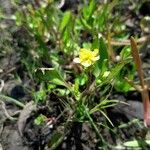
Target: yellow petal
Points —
{"points": [[86, 63], [95, 58], [88, 57]]}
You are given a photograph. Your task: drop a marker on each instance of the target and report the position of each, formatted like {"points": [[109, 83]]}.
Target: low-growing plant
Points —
{"points": [[72, 56]]}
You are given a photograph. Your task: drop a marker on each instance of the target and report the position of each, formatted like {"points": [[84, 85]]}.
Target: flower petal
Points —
{"points": [[86, 63], [96, 58], [76, 60], [96, 51], [87, 57]]}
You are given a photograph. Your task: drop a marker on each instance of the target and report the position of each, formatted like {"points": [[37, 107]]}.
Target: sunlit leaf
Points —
{"points": [[65, 20], [91, 8], [136, 143]]}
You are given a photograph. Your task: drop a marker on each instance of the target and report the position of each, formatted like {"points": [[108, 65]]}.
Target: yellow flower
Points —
{"points": [[87, 57]]}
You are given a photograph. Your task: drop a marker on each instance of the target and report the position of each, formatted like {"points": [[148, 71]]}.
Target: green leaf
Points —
{"points": [[114, 72], [50, 75], [122, 86], [103, 55], [91, 8], [102, 50], [85, 24], [55, 141], [103, 16], [104, 104], [39, 96], [95, 43], [80, 113], [125, 53], [65, 20], [101, 65], [137, 143], [40, 120], [105, 115], [127, 71], [96, 70]]}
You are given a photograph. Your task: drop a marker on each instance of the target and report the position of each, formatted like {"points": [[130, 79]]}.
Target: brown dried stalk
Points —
{"points": [[143, 86], [137, 60], [127, 42], [110, 48]]}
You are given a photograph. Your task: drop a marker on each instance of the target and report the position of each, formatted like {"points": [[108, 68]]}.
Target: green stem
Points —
{"points": [[11, 100], [96, 129]]}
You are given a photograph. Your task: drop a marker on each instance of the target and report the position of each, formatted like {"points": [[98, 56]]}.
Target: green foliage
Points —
{"points": [[50, 75], [39, 96], [56, 139], [40, 120], [101, 66], [136, 144], [65, 20]]}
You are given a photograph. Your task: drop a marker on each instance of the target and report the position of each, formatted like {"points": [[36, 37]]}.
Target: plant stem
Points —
{"points": [[144, 88], [11, 100], [137, 60], [146, 105]]}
